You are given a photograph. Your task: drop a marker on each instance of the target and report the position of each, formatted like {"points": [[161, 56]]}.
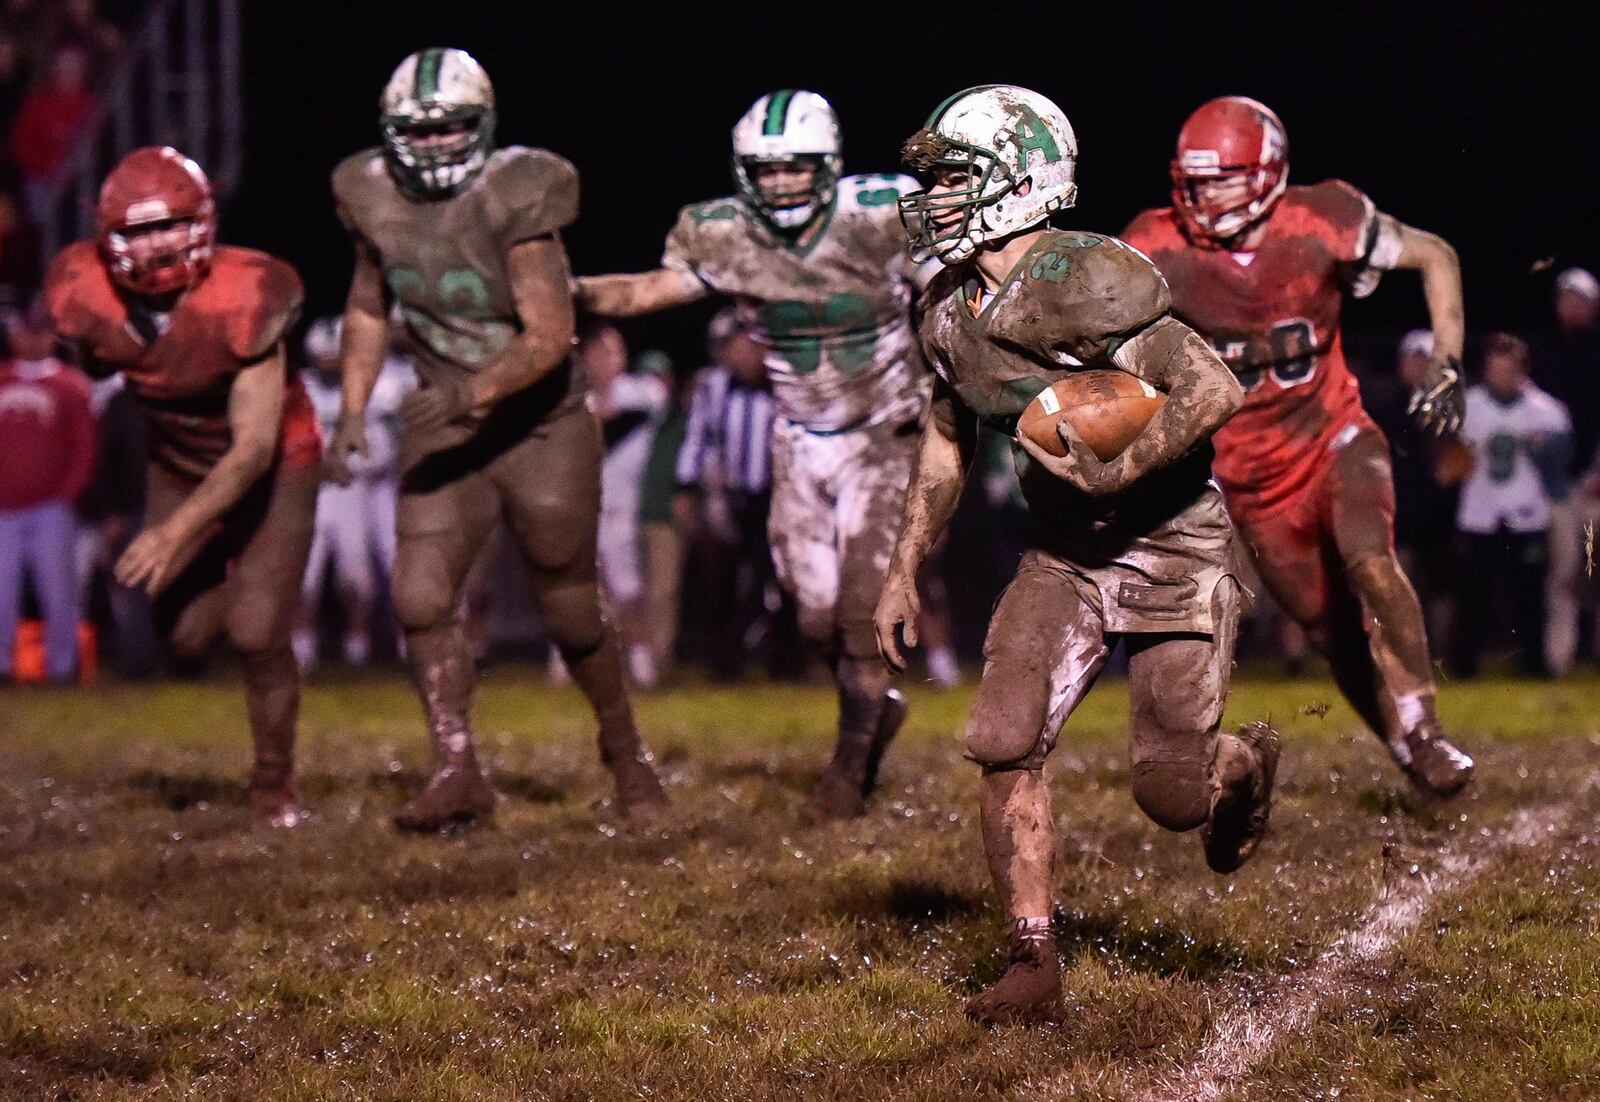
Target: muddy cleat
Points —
{"points": [[1239, 815], [276, 808], [456, 795], [1432, 762], [837, 796], [890, 720], [639, 791], [1030, 989]]}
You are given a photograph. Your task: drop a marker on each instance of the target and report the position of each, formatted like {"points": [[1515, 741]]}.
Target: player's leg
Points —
{"points": [[352, 571], [442, 520], [307, 645], [1360, 497], [261, 598], [1185, 773], [551, 485], [1044, 649]]}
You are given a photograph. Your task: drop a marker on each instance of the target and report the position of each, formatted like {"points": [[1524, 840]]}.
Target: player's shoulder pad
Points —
{"points": [[358, 180], [701, 228], [711, 216], [1110, 287], [875, 192], [1152, 230], [532, 191], [258, 297], [77, 290], [1335, 201]]}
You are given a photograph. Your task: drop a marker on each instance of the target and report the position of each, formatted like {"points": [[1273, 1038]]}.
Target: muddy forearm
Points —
{"points": [[628, 296], [255, 411], [541, 286], [365, 333], [1201, 395], [948, 441], [1436, 261]]}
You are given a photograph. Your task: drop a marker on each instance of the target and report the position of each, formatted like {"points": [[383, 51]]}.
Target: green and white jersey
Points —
{"points": [[835, 313]]}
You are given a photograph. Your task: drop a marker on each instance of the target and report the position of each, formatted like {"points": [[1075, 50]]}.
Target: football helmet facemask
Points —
{"points": [[1231, 137], [437, 116], [788, 127], [997, 136]]}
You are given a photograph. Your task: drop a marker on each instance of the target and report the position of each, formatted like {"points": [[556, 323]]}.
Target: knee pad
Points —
{"points": [[423, 594], [818, 629], [858, 639], [1175, 795], [572, 615], [1004, 747]]}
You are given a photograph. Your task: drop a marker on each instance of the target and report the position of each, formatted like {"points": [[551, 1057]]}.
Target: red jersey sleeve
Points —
{"points": [[267, 295], [1348, 221], [70, 291]]}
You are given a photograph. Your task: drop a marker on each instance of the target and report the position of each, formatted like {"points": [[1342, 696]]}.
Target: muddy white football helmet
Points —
{"points": [[1000, 135], [781, 127], [437, 91]]}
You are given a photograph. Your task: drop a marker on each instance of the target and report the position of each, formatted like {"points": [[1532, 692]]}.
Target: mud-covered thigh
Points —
{"points": [[1045, 647], [439, 528]]}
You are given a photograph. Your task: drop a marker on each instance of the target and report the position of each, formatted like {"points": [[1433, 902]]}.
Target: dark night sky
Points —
{"points": [[1483, 130]]}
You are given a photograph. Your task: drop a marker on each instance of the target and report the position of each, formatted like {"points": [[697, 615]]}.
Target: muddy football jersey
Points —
{"points": [[183, 374], [1154, 552], [444, 260], [834, 313], [1273, 315]]}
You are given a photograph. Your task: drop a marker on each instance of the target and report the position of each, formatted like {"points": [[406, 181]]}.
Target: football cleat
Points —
{"points": [[456, 795], [1028, 991], [998, 137], [1238, 818], [1432, 762]]}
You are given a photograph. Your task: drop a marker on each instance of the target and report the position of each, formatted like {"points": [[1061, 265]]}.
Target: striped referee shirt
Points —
{"points": [[729, 435]]}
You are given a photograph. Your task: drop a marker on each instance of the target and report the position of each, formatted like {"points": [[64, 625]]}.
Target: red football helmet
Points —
{"points": [[160, 188], [1231, 136]]}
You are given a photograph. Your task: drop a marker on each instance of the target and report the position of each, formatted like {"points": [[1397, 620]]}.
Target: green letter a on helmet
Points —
{"points": [[1029, 133]]}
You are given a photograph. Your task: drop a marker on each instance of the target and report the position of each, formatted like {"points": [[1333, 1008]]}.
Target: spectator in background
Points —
{"points": [[19, 256], [110, 514], [27, 22], [354, 523], [77, 23], [47, 447], [629, 406], [1520, 442], [726, 462], [1566, 362], [47, 125]]}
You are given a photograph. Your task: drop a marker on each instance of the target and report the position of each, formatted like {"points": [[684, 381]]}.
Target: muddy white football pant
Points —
{"points": [[836, 501], [354, 524]]}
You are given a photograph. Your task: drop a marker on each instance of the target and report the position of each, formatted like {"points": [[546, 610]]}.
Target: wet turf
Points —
{"points": [[151, 947]]}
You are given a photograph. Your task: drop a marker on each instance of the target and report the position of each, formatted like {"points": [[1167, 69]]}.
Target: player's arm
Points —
{"points": [[1201, 395], [255, 414], [361, 349], [541, 285], [628, 296], [949, 441], [1437, 403]]}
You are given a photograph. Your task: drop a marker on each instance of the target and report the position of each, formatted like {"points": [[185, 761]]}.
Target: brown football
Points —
{"points": [[1108, 408]]}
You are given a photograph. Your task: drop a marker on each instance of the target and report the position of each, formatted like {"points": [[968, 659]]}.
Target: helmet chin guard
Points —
{"points": [[1017, 155], [788, 127]]}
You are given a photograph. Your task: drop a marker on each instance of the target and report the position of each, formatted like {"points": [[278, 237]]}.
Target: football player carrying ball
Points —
{"points": [[1133, 548]]}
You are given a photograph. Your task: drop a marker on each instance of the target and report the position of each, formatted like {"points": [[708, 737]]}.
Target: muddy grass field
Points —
{"points": [[1379, 947]]}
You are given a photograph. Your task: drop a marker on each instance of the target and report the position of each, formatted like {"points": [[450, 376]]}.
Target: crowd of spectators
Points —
{"points": [[55, 57]]}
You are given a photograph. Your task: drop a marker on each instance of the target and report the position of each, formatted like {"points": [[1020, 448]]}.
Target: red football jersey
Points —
{"points": [[1273, 316], [183, 376]]}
